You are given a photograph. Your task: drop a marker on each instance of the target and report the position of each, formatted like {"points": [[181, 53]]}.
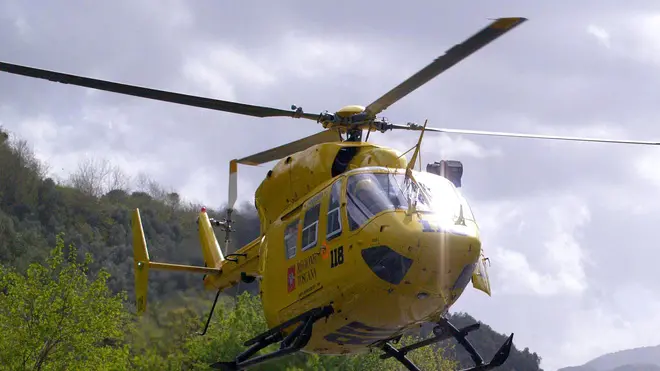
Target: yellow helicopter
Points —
{"points": [[356, 246]]}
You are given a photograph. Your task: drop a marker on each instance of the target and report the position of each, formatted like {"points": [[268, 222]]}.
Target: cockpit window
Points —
{"points": [[444, 198], [371, 193]]}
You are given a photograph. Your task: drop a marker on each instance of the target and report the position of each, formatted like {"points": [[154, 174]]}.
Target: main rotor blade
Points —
{"points": [[161, 95], [290, 148], [523, 135], [452, 56]]}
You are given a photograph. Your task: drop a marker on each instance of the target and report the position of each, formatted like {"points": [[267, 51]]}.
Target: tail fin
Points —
{"points": [[140, 262], [143, 264], [210, 248]]}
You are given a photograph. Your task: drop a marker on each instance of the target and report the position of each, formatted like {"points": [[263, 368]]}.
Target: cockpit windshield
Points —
{"points": [[371, 193], [444, 198]]}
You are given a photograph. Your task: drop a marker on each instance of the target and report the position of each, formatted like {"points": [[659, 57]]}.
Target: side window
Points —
{"points": [[334, 219], [311, 227], [291, 238]]}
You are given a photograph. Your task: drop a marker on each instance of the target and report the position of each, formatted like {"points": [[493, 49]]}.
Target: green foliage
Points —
{"points": [[239, 320], [55, 317]]}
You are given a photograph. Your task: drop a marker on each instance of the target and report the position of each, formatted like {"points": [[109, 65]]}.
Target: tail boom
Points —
{"points": [[243, 265]]}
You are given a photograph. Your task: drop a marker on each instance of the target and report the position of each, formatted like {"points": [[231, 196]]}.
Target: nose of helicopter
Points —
{"points": [[436, 260], [422, 268], [446, 258]]}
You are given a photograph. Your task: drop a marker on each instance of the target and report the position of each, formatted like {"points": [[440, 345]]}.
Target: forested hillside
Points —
{"points": [[66, 280], [636, 359]]}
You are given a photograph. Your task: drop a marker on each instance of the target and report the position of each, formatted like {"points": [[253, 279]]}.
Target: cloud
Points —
{"points": [[437, 146], [627, 319], [457, 147], [647, 167], [634, 37], [311, 56], [214, 68], [645, 41], [600, 34], [535, 244]]}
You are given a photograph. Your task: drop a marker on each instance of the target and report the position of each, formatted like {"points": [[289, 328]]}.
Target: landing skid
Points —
{"points": [[292, 343], [443, 331]]}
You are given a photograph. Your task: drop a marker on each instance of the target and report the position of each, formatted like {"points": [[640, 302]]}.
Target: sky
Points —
{"points": [[569, 227]]}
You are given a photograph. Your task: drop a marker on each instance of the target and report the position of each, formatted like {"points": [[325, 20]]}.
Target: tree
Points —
{"points": [[57, 317], [20, 175], [95, 177]]}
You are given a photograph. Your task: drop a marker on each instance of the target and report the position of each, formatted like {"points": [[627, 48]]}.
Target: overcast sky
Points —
{"points": [[570, 227]]}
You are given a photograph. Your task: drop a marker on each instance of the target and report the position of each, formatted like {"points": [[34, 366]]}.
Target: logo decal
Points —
{"points": [[291, 278], [325, 252]]}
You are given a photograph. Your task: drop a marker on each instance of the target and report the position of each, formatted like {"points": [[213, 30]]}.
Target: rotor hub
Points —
{"points": [[348, 111]]}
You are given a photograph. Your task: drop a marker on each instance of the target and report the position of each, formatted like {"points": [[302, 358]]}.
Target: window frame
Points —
{"points": [[314, 203], [289, 224], [330, 235]]}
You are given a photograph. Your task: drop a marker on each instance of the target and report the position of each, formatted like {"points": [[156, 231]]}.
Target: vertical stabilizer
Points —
{"points": [[210, 248], [140, 262]]}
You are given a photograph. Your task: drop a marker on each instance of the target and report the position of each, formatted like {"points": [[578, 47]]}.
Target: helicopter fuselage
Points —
{"points": [[387, 259]]}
